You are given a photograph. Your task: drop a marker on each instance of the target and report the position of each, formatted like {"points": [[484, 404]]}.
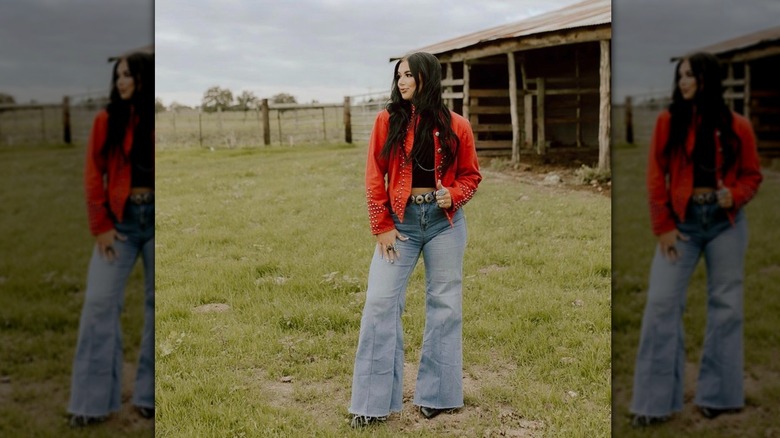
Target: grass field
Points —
{"points": [[46, 247], [633, 244], [262, 259]]}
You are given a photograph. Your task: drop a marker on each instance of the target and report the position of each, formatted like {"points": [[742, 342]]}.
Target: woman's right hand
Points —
{"points": [[668, 243], [105, 244], [386, 244]]}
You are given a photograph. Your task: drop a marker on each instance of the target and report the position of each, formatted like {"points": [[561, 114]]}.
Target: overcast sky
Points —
{"points": [[646, 34], [313, 49], [51, 48]]}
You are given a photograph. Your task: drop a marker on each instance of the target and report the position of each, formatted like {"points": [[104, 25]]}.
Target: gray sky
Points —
{"points": [[646, 34], [313, 49], [51, 48]]}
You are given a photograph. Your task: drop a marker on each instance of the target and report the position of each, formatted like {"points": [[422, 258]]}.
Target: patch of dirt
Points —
{"points": [[50, 402], [692, 422], [502, 421], [558, 165]]}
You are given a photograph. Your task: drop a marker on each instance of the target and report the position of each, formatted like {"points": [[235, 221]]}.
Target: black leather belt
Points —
{"points": [[425, 197], [705, 198], [142, 198]]}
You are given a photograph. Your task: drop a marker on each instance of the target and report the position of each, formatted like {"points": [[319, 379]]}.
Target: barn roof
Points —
{"points": [[583, 14], [145, 49], [742, 43]]}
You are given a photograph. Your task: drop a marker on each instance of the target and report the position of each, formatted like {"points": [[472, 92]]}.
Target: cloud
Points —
{"points": [[52, 48], [312, 49]]}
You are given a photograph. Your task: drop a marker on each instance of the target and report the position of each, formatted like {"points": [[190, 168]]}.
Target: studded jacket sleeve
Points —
{"points": [[95, 171], [659, 197], [377, 197], [747, 177], [463, 182]]}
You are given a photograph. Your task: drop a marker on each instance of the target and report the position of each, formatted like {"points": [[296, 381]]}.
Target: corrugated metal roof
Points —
{"points": [[586, 13], [745, 41]]}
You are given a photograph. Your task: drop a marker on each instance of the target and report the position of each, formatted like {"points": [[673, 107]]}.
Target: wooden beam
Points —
{"points": [[466, 89], [540, 139], [489, 93], [752, 55], [492, 127], [730, 88], [477, 109], [528, 109], [447, 95], [604, 107], [570, 36], [510, 57], [578, 134], [451, 82], [494, 144]]}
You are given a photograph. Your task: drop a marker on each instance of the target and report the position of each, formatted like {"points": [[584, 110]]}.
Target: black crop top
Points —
{"points": [[142, 160], [704, 169], [423, 174]]}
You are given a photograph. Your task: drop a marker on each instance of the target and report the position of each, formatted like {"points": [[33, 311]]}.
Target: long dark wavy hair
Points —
{"points": [[434, 116], [708, 103], [141, 67]]}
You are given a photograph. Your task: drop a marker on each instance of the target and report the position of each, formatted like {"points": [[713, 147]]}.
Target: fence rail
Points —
{"points": [[48, 123], [279, 125]]}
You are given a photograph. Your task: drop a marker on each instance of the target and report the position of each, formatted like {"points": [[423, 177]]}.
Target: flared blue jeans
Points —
{"points": [[660, 363], [377, 384], [96, 385]]}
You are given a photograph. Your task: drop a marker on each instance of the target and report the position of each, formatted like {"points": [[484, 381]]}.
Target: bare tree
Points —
{"points": [[158, 105], [247, 101], [216, 98], [284, 98], [6, 99]]}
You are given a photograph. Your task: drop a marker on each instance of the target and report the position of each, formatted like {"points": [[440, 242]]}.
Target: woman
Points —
{"points": [[119, 183], [428, 156], [708, 156]]}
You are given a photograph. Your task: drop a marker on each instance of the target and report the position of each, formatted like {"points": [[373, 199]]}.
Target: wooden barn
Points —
{"points": [[751, 71], [535, 85]]}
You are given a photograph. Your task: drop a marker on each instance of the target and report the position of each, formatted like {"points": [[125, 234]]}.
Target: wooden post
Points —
{"points": [[43, 123], [347, 120], [629, 121], [746, 105], [579, 97], [200, 127], [324, 128], [466, 89], [279, 125], [540, 146], [266, 123], [528, 109], [66, 137], [604, 107], [730, 89], [449, 89], [510, 57]]}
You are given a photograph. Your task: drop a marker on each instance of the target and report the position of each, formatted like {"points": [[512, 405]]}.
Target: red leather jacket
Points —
{"points": [[670, 199], [106, 181], [461, 179]]}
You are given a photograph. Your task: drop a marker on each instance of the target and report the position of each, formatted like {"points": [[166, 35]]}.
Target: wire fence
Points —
{"points": [[42, 124], [288, 125]]}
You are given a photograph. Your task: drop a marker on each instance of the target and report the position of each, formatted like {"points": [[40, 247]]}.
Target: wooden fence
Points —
{"points": [[47, 123], [278, 125]]}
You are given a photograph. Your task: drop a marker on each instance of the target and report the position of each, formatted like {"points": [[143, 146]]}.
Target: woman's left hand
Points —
{"points": [[724, 196], [443, 197]]}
